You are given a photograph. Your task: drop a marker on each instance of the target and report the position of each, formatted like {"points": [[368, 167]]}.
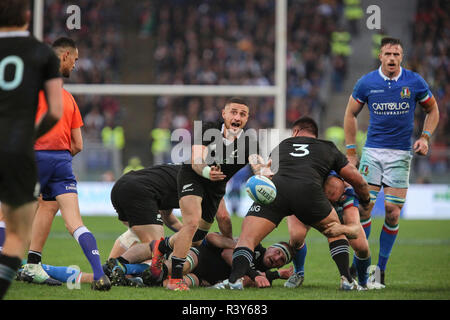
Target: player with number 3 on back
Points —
{"points": [[301, 164]]}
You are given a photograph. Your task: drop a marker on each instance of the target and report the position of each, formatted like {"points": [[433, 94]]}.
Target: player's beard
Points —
{"points": [[65, 73]]}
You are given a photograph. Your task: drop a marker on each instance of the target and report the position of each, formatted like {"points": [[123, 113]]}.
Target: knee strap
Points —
{"points": [[394, 200]]}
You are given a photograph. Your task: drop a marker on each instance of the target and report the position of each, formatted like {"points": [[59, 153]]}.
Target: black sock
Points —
{"points": [[242, 260], [122, 260], [339, 253], [164, 246], [34, 257], [177, 267], [8, 267]]}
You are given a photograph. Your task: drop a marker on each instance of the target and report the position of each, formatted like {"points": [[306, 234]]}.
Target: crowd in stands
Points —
{"points": [[99, 41], [233, 43], [429, 57]]}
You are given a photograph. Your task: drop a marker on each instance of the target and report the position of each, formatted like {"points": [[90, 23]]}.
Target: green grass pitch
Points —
{"points": [[419, 267]]}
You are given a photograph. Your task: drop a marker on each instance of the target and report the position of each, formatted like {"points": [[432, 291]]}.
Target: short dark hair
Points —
{"points": [[13, 12], [308, 124], [64, 42], [237, 100], [391, 41]]}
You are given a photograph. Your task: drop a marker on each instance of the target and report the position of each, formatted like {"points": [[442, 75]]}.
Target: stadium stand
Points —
{"points": [[429, 57]]}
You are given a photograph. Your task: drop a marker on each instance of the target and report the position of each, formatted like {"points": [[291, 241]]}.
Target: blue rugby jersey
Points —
{"points": [[391, 104], [348, 199]]}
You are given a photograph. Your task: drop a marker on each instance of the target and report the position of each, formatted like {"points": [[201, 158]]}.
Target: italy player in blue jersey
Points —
{"points": [[391, 93]]}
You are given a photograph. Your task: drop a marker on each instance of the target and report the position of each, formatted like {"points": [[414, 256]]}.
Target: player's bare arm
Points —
{"points": [[224, 220], [170, 220], [350, 228], [53, 94], [220, 241], [200, 166], [351, 127], [259, 166], [352, 176], [431, 121], [76, 141]]}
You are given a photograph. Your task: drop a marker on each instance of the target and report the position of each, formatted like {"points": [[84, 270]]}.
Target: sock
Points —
{"points": [[63, 274], [34, 257], [299, 260], [387, 238], [367, 226], [136, 268], [339, 253], [242, 260], [361, 267], [2, 234], [89, 245], [8, 267], [177, 267], [164, 246]]}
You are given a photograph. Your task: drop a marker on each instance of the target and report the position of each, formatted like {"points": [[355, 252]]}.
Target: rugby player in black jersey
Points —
{"points": [[210, 263], [303, 164], [222, 150], [27, 66], [143, 200]]}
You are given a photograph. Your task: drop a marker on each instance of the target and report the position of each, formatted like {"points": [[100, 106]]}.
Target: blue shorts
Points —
{"points": [[55, 173]]}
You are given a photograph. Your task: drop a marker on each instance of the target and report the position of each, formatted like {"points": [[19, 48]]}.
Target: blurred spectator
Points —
{"points": [[134, 163], [100, 45], [429, 57], [233, 43]]}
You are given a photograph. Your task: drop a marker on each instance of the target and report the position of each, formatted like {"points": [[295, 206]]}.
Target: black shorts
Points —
{"points": [[190, 183], [307, 202], [210, 267], [135, 204], [18, 179]]}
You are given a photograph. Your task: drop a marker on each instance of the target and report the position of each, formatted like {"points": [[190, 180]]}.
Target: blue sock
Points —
{"points": [[367, 227], [89, 245], [387, 238], [136, 268], [62, 274], [299, 260], [2, 234], [361, 267]]}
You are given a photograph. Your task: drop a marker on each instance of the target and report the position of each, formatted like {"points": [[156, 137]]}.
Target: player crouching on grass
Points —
{"points": [[210, 263], [342, 196]]}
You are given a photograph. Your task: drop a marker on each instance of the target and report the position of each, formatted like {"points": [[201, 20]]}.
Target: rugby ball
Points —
{"points": [[261, 189]]}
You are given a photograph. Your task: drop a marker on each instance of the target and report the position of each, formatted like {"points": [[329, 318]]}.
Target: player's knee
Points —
{"points": [[392, 213], [363, 253]]}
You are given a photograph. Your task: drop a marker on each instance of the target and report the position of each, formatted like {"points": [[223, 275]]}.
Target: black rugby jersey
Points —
{"points": [[25, 65], [161, 179], [307, 159], [232, 156]]}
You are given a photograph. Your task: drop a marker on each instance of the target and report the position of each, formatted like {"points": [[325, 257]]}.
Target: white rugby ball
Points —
{"points": [[261, 189]]}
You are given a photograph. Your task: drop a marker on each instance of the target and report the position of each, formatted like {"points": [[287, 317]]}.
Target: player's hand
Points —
{"points": [[216, 174], [353, 159], [333, 229], [421, 146], [286, 272], [262, 282]]}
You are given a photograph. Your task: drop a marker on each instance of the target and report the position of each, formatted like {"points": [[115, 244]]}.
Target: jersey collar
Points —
{"points": [[227, 142], [11, 34], [386, 78]]}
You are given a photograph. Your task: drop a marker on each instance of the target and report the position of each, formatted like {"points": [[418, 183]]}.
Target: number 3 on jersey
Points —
{"points": [[18, 75], [301, 150]]}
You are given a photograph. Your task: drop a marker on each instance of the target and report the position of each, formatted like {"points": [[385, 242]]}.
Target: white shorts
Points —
{"points": [[388, 167]]}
